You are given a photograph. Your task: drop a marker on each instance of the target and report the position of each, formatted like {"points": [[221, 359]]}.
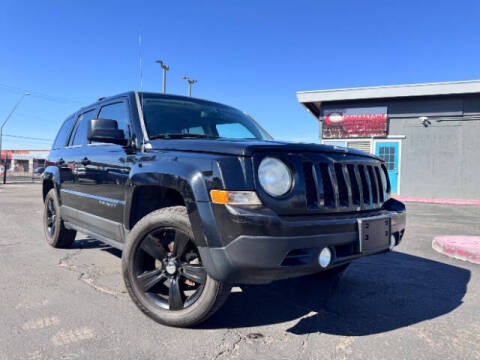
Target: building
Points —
{"points": [[428, 134], [23, 161]]}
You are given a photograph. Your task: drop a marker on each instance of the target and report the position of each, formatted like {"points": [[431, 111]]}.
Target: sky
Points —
{"points": [[253, 55]]}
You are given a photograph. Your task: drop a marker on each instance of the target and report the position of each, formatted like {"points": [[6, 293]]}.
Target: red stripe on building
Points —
{"points": [[437, 201]]}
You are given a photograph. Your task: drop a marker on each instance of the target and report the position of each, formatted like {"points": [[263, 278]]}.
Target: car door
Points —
{"points": [[72, 199], [105, 172], [58, 154]]}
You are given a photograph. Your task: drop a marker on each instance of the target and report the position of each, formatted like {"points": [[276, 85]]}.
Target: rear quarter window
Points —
{"points": [[63, 133]]}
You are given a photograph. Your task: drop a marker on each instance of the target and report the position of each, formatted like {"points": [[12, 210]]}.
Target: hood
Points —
{"points": [[246, 147]]}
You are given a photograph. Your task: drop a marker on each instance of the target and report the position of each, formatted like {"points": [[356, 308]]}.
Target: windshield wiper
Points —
{"points": [[182, 136]]}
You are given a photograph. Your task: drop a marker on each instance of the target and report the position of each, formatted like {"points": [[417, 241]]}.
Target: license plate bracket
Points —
{"points": [[374, 233]]}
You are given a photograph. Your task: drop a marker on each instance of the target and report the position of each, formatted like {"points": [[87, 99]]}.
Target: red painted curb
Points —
{"points": [[437, 201], [466, 248]]}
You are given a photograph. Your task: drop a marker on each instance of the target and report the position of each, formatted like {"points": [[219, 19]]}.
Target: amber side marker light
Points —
{"points": [[235, 197]]}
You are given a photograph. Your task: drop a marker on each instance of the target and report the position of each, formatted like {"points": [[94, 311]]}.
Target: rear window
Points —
{"points": [[62, 136]]}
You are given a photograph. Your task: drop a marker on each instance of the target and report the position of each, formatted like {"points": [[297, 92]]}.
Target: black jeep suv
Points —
{"points": [[199, 197]]}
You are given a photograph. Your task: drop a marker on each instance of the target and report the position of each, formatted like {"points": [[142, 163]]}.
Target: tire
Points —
{"points": [[157, 264], [56, 234]]}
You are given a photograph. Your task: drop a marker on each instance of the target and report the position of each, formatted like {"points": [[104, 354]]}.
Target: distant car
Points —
{"points": [[39, 170], [199, 198]]}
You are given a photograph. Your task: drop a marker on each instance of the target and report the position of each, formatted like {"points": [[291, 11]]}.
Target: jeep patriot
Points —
{"points": [[199, 197]]}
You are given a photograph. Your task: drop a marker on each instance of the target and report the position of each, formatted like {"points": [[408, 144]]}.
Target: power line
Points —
{"points": [[28, 137], [57, 99], [22, 143], [33, 117], [25, 144]]}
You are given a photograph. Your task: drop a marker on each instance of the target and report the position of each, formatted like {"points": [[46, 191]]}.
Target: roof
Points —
{"points": [[105, 99], [307, 98]]}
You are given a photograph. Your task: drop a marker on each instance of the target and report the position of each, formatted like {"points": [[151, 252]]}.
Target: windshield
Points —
{"points": [[182, 118]]}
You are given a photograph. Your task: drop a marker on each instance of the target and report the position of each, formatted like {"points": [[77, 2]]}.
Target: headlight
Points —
{"points": [[274, 176]]}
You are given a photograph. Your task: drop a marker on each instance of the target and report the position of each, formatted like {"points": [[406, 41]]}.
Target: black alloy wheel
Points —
{"points": [[168, 269], [56, 234], [51, 217], [163, 270]]}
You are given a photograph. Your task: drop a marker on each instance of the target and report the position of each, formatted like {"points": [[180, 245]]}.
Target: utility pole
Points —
{"points": [[165, 68], [190, 83], [1, 133]]}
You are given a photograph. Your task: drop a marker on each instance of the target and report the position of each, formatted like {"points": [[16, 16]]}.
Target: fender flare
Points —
{"points": [[52, 174], [188, 180]]}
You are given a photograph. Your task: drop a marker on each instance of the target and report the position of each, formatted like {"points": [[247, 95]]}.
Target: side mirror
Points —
{"points": [[106, 131]]}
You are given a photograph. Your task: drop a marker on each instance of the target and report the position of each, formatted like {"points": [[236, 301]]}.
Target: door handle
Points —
{"points": [[60, 161], [85, 161]]}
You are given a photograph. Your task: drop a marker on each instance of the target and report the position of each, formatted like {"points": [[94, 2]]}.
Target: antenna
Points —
{"points": [[140, 58], [140, 62]]}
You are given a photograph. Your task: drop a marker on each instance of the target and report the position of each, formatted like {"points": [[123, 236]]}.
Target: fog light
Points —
{"points": [[392, 242], [325, 257]]}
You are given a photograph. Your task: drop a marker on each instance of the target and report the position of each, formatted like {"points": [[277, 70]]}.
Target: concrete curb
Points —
{"points": [[466, 248], [437, 201]]}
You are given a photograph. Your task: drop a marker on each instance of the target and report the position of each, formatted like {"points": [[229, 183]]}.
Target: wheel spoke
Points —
{"points": [[50, 207], [149, 279], [196, 273], [175, 297], [152, 246], [180, 244], [49, 220]]}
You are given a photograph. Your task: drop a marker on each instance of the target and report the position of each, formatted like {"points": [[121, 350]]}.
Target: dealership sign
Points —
{"points": [[354, 122]]}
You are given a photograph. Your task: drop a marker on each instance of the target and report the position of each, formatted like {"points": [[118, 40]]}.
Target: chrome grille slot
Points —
{"points": [[311, 186], [366, 189], [342, 185], [354, 185], [385, 179], [328, 191], [374, 185], [380, 185]]}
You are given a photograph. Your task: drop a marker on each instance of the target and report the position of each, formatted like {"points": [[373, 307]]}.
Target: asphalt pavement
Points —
{"points": [[413, 303]]}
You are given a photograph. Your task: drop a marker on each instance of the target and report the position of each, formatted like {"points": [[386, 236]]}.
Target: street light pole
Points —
{"points": [[1, 133], [190, 83], [165, 68]]}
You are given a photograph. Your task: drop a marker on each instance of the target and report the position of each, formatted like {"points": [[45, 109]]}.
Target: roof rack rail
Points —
{"points": [[101, 98]]}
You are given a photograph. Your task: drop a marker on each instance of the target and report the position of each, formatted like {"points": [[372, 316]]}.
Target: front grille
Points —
{"points": [[343, 186]]}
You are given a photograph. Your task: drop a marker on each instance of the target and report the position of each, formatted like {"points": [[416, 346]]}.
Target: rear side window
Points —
{"points": [[79, 135], [62, 136], [117, 111]]}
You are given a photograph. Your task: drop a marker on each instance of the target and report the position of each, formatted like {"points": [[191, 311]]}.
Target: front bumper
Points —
{"points": [[273, 248]]}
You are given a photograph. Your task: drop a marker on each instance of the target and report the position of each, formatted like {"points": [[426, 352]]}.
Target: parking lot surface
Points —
{"points": [[413, 303]]}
